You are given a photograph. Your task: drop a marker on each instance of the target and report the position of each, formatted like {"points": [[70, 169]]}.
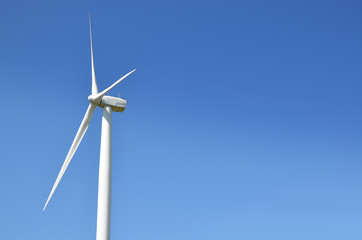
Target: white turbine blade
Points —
{"points": [[94, 82], [78, 138], [101, 94]]}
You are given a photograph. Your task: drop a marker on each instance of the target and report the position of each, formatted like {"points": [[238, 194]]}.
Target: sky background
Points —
{"points": [[244, 119]]}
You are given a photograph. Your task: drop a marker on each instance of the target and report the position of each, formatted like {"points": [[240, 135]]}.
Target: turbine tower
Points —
{"points": [[108, 104]]}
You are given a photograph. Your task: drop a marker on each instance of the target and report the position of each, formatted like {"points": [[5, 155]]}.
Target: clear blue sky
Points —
{"points": [[243, 121]]}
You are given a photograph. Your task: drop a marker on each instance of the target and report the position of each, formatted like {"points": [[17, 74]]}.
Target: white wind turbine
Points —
{"points": [[108, 104]]}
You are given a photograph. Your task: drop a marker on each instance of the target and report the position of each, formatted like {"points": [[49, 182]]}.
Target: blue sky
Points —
{"points": [[243, 119]]}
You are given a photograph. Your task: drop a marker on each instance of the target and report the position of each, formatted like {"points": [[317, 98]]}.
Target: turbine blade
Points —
{"points": [[94, 82], [101, 94], [78, 138]]}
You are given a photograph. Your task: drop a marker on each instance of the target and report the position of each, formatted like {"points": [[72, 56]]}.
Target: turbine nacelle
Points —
{"points": [[117, 104]]}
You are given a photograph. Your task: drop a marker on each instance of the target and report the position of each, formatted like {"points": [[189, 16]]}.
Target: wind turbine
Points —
{"points": [[108, 104]]}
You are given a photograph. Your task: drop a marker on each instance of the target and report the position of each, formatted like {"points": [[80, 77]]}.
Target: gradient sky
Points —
{"points": [[243, 119]]}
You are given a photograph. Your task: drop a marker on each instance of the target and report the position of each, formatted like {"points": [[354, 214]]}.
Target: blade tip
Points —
{"points": [[46, 204]]}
